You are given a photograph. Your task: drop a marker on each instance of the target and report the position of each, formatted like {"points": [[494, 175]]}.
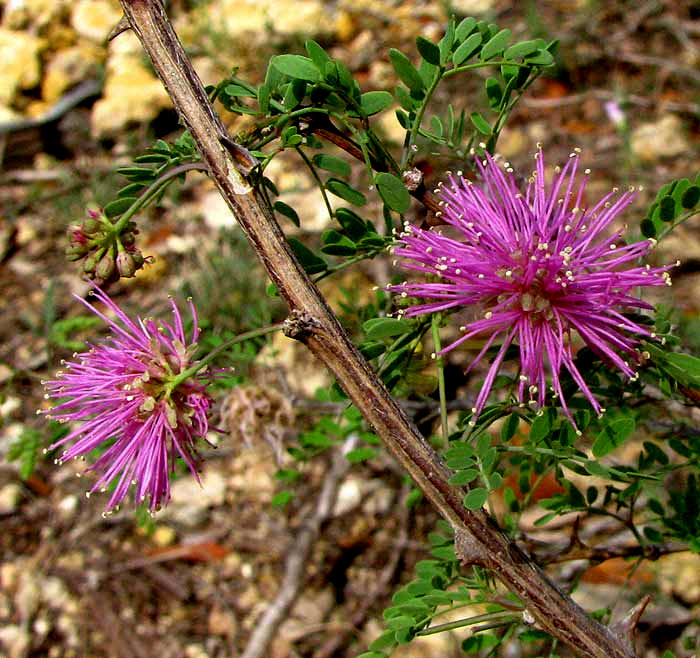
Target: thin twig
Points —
{"points": [[298, 556]]}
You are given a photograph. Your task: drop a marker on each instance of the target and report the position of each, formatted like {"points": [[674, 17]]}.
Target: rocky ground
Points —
{"points": [[194, 581]]}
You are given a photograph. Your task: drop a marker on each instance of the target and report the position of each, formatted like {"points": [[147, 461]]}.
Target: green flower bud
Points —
{"points": [[126, 265], [105, 268]]}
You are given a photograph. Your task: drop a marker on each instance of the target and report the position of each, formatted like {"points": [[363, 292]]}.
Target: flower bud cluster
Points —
{"points": [[108, 251]]}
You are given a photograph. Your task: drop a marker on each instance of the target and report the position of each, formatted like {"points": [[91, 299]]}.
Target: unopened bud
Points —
{"points": [[139, 260], [93, 211], [76, 235], [91, 226], [90, 264], [127, 238], [105, 268], [76, 251], [126, 266]]}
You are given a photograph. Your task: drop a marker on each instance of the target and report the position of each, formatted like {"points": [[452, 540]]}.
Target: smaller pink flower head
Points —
{"points": [[538, 268], [131, 404]]}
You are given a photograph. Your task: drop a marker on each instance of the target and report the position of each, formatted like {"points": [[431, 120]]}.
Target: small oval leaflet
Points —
{"points": [[496, 45], [378, 328], [297, 66], [475, 499], [393, 192]]}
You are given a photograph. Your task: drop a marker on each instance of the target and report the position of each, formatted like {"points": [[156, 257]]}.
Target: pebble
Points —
{"points": [[10, 498], [190, 501], [16, 640], [19, 54], [664, 138]]}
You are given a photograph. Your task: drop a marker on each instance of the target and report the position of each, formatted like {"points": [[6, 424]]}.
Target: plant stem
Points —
{"points": [[198, 365], [441, 375], [152, 190], [408, 148], [469, 621]]}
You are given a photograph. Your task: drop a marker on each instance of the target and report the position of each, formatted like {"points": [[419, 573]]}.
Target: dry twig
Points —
{"points": [[298, 556]]}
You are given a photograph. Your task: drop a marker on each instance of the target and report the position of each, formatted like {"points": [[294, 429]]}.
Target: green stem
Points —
{"points": [[196, 367], [481, 65], [408, 154], [441, 374], [673, 225], [318, 180], [469, 621], [152, 190]]}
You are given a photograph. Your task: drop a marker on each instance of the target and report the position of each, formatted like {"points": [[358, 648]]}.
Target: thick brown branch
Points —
{"points": [[319, 329]]}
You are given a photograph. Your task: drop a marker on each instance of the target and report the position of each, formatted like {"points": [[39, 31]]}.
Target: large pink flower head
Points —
{"points": [[535, 269], [134, 400]]}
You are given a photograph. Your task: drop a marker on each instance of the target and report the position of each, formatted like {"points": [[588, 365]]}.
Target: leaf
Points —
{"points": [[311, 263], [332, 163], [373, 102], [648, 228], [496, 45], [465, 28], [353, 225], [667, 209], [289, 212], [360, 455], [406, 71], [510, 427], [317, 54], [116, 208], [687, 364], [378, 328], [297, 66], [337, 244], [344, 191], [542, 58], [480, 123], [466, 49], [136, 173], [540, 428], [237, 91], [282, 498], [494, 93], [690, 197], [428, 51], [386, 639], [613, 435], [521, 49], [475, 499], [393, 192], [445, 44], [463, 478]]}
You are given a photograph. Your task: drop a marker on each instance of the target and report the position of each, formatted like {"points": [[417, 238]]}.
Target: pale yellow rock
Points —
{"points": [[36, 109], [94, 19], [18, 14], [470, 7], [236, 17], [7, 114], [664, 138], [69, 67], [131, 92], [163, 536], [679, 575], [21, 67]]}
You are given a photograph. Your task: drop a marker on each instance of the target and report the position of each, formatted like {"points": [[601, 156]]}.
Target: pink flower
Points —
{"points": [[538, 269], [135, 402]]}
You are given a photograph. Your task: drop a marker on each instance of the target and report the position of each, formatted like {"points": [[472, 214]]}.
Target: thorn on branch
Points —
{"points": [[625, 628], [468, 550], [122, 26]]}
